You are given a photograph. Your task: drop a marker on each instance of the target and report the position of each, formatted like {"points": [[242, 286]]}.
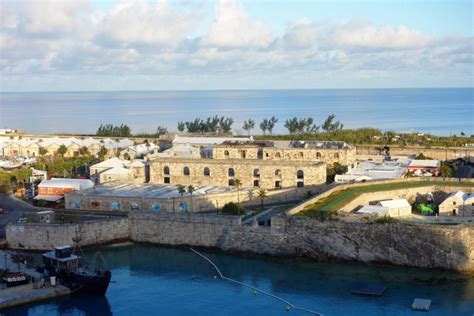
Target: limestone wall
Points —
{"points": [[47, 236], [438, 153], [180, 229], [424, 246], [251, 173]]}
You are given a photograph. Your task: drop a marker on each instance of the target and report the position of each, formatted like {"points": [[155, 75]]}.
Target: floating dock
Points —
{"points": [[368, 289], [420, 304], [30, 293]]}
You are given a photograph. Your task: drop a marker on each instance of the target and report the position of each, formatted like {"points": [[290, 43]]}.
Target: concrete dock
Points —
{"points": [[30, 293]]}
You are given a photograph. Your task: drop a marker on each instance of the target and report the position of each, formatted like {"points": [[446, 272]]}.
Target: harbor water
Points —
{"points": [[151, 280]]}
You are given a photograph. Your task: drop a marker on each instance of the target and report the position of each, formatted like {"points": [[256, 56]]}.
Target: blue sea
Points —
{"points": [[438, 111], [151, 280]]}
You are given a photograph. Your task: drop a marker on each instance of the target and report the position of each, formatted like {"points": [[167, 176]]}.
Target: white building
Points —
{"points": [[396, 208], [455, 204], [139, 150], [376, 210], [373, 171]]}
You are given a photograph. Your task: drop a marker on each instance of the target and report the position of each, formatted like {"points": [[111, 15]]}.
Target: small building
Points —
{"points": [[140, 150], [376, 210], [53, 190], [397, 207], [468, 205], [453, 204], [424, 167], [46, 217]]}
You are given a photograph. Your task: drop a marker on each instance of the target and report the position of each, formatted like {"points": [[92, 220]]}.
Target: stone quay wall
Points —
{"points": [[37, 236], [418, 245], [423, 246], [181, 229]]}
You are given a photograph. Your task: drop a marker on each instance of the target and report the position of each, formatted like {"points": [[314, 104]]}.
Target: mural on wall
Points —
{"points": [[116, 205], [135, 206], [155, 207], [183, 207]]}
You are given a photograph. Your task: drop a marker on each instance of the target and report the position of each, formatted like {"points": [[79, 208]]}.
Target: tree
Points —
{"points": [[248, 125], [329, 126], [232, 208], [181, 190], [84, 151], [62, 150], [43, 151], [264, 126], [102, 153], [191, 189], [181, 126], [238, 185], [161, 130], [271, 124], [261, 194]]}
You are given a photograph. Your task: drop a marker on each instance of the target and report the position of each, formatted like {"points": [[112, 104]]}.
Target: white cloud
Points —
{"points": [[233, 28], [300, 34]]}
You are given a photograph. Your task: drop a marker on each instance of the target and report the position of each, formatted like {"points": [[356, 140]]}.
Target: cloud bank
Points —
{"points": [[138, 39]]}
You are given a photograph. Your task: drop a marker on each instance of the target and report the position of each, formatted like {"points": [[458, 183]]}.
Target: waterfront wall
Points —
{"points": [[439, 153], [423, 246], [38, 236]]}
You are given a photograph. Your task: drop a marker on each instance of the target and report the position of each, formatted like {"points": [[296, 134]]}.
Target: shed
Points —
{"points": [[397, 208], [376, 210]]}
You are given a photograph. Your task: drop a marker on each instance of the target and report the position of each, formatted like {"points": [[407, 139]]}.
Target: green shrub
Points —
{"points": [[386, 219], [232, 208]]}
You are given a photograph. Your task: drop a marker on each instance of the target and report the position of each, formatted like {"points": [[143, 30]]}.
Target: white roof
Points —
{"points": [[76, 184], [206, 140], [373, 209], [424, 163], [50, 198], [458, 194], [398, 203], [117, 170], [112, 163]]}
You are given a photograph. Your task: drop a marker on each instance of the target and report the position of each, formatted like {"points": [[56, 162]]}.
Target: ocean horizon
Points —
{"points": [[440, 111]]}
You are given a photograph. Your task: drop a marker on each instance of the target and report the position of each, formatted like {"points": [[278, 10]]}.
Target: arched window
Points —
{"points": [[231, 172], [278, 155], [278, 173], [166, 170], [318, 156], [301, 155], [256, 173], [336, 156], [300, 174], [226, 153], [186, 171], [243, 154], [207, 172]]}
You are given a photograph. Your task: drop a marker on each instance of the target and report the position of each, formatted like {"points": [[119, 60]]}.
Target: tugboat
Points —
{"points": [[70, 271]]}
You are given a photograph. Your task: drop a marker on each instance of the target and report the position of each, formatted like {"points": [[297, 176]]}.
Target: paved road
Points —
{"points": [[13, 209]]}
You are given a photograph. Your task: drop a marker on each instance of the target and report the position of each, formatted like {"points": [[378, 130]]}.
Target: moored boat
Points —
{"points": [[71, 272]]}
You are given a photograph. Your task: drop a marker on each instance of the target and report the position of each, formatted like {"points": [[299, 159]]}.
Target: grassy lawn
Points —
{"points": [[338, 199]]}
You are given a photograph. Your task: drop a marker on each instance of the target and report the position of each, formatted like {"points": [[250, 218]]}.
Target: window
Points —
{"points": [[278, 173], [336, 156], [207, 172], [155, 207], [226, 153], [277, 184], [166, 170], [300, 184], [134, 206], [318, 156], [267, 155], [256, 183], [243, 154], [301, 155], [231, 182], [231, 172], [76, 204], [256, 173], [454, 202], [167, 180], [278, 155], [300, 174], [186, 171], [115, 206], [95, 204]]}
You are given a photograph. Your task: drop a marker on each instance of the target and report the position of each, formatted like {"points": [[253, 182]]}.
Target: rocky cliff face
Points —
{"points": [[424, 246]]}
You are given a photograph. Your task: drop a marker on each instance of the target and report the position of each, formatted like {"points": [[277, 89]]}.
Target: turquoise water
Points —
{"points": [[439, 111], [150, 280]]}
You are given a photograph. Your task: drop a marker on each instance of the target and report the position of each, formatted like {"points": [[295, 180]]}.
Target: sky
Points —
{"points": [[94, 45]]}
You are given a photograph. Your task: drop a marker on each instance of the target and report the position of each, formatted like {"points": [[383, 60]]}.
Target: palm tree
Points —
{"points": [[261, 194], [238, 185], [191, 189], [181, 190]]}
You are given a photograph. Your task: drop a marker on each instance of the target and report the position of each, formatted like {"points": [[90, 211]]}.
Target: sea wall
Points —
{"points": [[423, 246], [38, 236], [440, 153]]}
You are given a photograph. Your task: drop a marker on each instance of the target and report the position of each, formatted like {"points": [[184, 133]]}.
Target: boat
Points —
{"points": [[12, 279], [73, 273]]}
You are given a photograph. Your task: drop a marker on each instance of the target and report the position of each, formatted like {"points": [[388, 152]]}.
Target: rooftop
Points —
{"points": [[76, 184], [149, 191]]}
